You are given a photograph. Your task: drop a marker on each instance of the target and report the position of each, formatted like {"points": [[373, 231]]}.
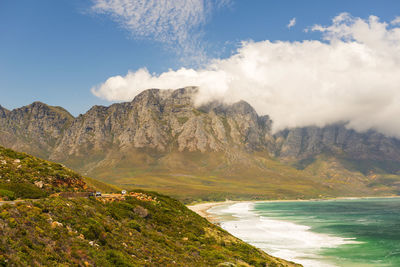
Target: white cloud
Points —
{"points": [[354, 76], [396, 21], [292, 23], [173, 22]]}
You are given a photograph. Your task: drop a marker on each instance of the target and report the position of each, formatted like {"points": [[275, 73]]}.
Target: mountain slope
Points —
{"points": [[163, 141], [140, 229]]}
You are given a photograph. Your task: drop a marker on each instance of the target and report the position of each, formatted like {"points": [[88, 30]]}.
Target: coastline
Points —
{"points": [[203, 208], [279, 232]]}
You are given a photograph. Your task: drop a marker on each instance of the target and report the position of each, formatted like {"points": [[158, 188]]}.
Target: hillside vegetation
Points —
{"points": [[88, 232], [24, 176], [139, 229]]}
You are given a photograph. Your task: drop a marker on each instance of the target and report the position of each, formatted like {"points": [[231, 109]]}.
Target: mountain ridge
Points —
{"points": [[160, 129]]}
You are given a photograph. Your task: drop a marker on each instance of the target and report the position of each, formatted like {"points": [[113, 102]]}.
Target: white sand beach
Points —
{"points": [[202, 209]]}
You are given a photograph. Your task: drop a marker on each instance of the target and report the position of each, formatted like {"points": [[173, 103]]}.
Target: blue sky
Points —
{"points": [[56, 51]]}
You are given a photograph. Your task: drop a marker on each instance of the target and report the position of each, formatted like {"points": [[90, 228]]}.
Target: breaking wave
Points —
{"points": [[283, 239]]}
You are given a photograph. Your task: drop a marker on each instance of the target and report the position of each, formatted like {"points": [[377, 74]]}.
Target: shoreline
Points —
{"points": [[202, 208], [276, 229]]}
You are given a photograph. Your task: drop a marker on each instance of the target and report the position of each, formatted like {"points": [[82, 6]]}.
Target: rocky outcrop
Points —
{"points": [[3, 112]]}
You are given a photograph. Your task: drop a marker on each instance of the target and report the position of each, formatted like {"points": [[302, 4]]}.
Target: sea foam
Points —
{"points": [[279, 238]]}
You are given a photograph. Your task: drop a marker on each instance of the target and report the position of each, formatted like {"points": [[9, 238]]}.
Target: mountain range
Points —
{"points": [[162, 141]]}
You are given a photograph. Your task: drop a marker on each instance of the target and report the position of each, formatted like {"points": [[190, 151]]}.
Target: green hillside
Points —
{"points": [[25, 176], [140, 229], [88, 232]]}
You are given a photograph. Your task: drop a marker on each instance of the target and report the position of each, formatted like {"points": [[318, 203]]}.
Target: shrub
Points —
{"points": [[94, 230], [7, 194], [116, 258], [23, 190], [134, 225]]}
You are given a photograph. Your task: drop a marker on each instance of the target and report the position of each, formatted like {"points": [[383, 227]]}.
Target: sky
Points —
{"points": [[308, 62]]}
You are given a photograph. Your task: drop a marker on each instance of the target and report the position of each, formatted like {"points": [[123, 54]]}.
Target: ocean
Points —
{"points": [[341, 232]]}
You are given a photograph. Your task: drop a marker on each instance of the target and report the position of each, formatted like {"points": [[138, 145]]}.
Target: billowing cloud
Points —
{"points": [[353, 75], [173, 22], [292, 23]]}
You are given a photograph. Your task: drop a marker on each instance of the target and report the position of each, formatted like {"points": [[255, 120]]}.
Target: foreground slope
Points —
{"points": [[141, 229], [129, 232]]}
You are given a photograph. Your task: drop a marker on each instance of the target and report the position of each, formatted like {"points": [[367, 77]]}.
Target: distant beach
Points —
{"points": [[203, 208], [345, 231]]}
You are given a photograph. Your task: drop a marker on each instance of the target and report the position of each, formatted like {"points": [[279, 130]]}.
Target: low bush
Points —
{"points": [[7, 195], [23, 190]]}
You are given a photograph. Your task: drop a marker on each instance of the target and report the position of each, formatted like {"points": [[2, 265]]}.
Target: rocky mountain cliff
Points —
{"points": [[164, 121], [35, 128], [306, 142], [159, 127]]}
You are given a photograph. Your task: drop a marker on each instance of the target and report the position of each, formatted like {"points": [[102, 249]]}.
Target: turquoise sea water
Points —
{"points": [[356, 232]]}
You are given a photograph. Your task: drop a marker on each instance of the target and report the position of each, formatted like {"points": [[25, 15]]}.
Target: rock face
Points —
{"points": [[3, 112], [307, 142], [168, 120], [35, 128], [164, 121]]}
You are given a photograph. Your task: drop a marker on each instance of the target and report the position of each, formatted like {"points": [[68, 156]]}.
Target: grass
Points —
{"points": [[215, 176], [100, 186], [193, 176], [182, 120]]}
